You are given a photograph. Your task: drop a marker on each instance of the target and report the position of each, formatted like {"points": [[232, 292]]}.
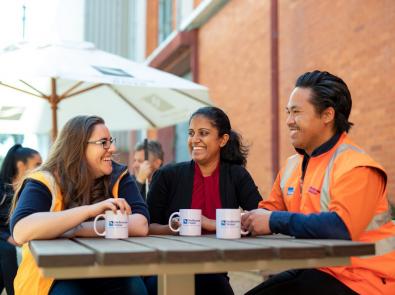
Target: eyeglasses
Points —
{"points": [[105, 143]]}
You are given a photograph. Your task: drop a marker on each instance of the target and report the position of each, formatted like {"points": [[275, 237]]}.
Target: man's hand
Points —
{"points": [[256, 222], [145, 172]]}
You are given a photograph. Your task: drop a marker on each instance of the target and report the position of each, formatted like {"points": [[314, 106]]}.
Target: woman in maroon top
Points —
{"points": [[215, 178]]}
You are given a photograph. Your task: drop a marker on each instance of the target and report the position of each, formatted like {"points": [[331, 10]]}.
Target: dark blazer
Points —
{"points": [[171, 189]]}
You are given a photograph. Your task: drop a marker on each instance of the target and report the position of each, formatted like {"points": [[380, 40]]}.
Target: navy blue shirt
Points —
{"points": [[36, 197], [324, 225]]}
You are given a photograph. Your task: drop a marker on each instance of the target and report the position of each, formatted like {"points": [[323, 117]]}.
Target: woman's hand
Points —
{"points": [[113, 204], [175, 222], [12, 241], [208, 224]]}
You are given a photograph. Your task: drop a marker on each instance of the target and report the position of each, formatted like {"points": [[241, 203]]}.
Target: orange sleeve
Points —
{"points": [[356, 197], [275, 201]]}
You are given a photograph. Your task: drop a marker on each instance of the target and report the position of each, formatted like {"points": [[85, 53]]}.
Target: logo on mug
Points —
{"points": [[230, 222], [111, 223], [185, 221]]}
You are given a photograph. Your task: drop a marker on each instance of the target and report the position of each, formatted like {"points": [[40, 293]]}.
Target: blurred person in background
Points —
{"points": [[215, 178], [16, 163], [142, 169], [78, 182]]}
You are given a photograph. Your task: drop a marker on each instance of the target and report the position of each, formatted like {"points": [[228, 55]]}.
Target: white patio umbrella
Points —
{"points": [[43, 86]]}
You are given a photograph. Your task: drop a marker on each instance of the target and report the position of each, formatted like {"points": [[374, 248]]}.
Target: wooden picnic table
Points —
{"points": [[176, 259]]}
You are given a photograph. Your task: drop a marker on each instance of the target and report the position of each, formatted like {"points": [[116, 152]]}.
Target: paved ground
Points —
{"points": [[243, 281]]}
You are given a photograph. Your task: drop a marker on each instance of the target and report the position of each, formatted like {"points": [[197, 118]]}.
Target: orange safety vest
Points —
{"points": [[29, 279], [367, 275]]}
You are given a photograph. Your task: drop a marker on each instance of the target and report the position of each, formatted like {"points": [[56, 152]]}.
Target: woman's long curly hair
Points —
{"points": [[68, 164]]}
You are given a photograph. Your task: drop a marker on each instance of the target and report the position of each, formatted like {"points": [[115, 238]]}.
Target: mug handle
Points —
{"points": [[244, 232], [94, 225], [170, 218]]}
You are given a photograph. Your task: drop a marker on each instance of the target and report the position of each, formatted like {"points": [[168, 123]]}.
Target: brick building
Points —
{"points": [[232, 48]]}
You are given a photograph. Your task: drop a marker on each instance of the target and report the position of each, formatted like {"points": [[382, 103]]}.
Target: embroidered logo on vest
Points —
{"points": [[314, 191], [290, 191]]}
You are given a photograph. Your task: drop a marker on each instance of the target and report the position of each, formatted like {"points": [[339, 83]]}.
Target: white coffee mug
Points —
{"points": [[190, 222], [116, 225], [228, 224]]}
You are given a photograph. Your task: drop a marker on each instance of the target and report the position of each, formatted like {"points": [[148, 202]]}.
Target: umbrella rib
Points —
{"points": [[24, 91], [67, 92], [34, 88], [191, 97], [132, 106], [83, 90]]}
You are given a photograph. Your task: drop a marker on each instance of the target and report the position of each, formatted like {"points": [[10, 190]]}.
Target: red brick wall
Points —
{"points": [[234, 63], [353, 39]]}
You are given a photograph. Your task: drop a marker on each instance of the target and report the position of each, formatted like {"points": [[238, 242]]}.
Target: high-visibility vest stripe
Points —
{"points": [[115, 188], [325, 198], [42, 285], [385, 246], [51, 185], [289, 168], [377, 221]]}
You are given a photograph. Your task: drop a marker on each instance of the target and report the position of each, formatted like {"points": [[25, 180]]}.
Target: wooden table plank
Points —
{"points": [[234, 250], [120, 252], [61, 252], [288, 248], [187, 255], [178, 251], [343, 248]]}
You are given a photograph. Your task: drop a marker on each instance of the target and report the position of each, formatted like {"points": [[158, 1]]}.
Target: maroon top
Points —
{"points": [[205, 192]]}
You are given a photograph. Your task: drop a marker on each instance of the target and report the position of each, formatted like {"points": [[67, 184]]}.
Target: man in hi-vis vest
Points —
{"points": [[330, 189]]}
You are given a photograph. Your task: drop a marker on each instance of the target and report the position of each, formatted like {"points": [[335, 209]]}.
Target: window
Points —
{"points": [[184, 9], [165, 19]]}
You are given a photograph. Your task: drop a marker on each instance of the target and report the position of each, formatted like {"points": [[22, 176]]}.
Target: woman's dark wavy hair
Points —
{"points": [[329, 91], [234, 151], [16, 153]]}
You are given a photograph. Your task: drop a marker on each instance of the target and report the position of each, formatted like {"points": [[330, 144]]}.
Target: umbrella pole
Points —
{"points": [[54, 109], [146, 159]]}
